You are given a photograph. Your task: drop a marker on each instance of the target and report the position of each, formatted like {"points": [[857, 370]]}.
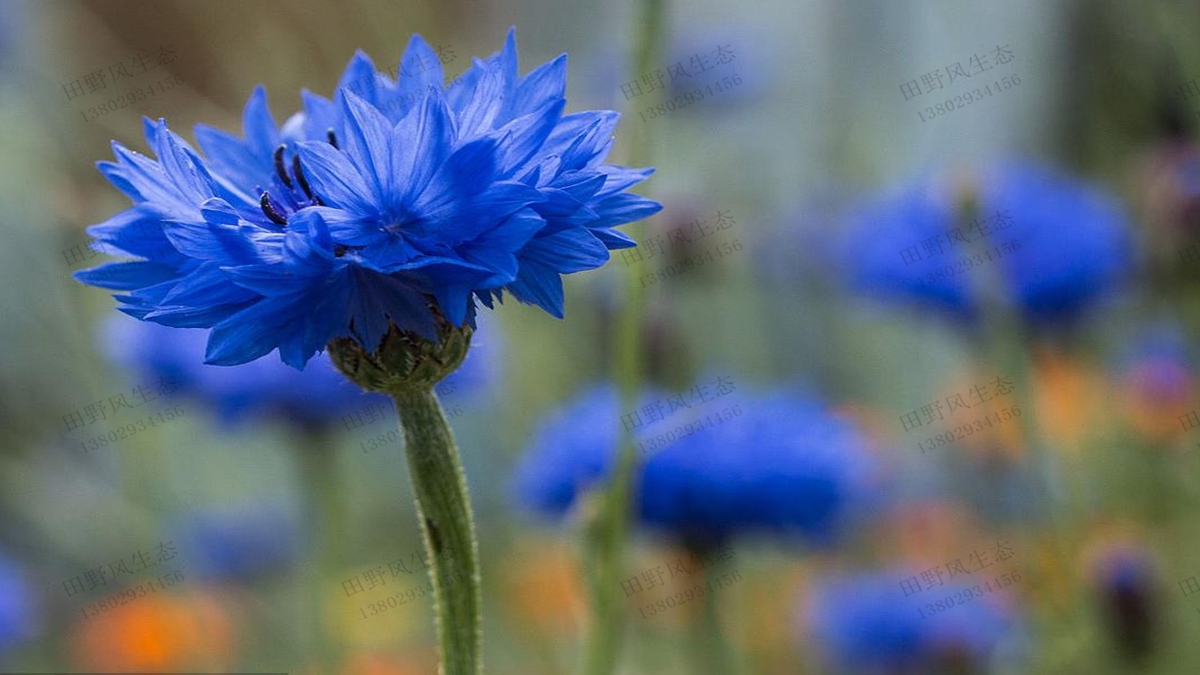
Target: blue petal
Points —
{"points": [[427, 136], [613, 239], [507, 58], [540, 285], [625, 208], [419, 51], [480, 113], [269, 280], [206, 284], [389, 253], [115, 174], [525, 136], [620, 178], [137, 231], [573, 127], [177, 163], [513, 233], [227, 243], [258, 126], [367, 142], [347, 228], [465, 219], [568, 251], [379, 298], [126, 276], [231, 157], [335, 178], [454, 300], [253, 332], [145, 177], [320, 115], [360, 78], [467, 172], [546, 84], [582, 185]]}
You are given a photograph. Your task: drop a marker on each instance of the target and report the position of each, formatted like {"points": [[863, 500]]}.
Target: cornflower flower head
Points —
{"points": [[860, 626], [239, 542], [394, 209], [371, 224], [776, 463], [1037, 240]]}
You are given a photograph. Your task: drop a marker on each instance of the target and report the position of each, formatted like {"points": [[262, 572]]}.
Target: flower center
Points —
{"points": [[292, 195]]}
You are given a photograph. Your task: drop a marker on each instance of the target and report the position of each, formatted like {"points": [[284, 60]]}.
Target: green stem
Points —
{"points": [[444, 511], [1005, 337], [318, 466], [608, 533], [710, 650]]}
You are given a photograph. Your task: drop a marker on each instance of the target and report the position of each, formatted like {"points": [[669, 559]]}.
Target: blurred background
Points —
{"points": [[918, 335]]}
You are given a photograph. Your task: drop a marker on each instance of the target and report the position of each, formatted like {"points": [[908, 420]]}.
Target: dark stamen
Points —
{"points": [[302, 180], [269, 210], [332, 138], [339, 250], [280, 169]]}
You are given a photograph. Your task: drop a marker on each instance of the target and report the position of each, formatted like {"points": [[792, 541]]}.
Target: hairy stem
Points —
{"points": [[444, 511]]}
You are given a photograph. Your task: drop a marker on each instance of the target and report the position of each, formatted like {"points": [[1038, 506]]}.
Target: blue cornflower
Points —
{"points": [[238, 542], [318, 396], [861, 624], [1161, 338], [767, 463], [571, 451], [782, 464], [18, 613], [397, 203], [1055, 245]]}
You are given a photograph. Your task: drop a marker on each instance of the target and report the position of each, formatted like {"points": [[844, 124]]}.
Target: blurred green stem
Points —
{"points": [[1062, 496], [710, 649], [318, 465], [1005, 337], [1011, 354], [607, 535], [444, 511]]}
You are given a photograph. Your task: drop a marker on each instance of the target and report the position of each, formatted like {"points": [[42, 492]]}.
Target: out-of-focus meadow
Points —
{"points": [[918, 348]]}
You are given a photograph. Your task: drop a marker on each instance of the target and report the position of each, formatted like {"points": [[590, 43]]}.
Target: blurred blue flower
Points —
{"points": [[398, 203], [1155, 374], [775, 463], [1057, 246], [315, 397], [237, 543], [1158, 353], [861, 625], [572, 450], [782, 464], [19, 618]]}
